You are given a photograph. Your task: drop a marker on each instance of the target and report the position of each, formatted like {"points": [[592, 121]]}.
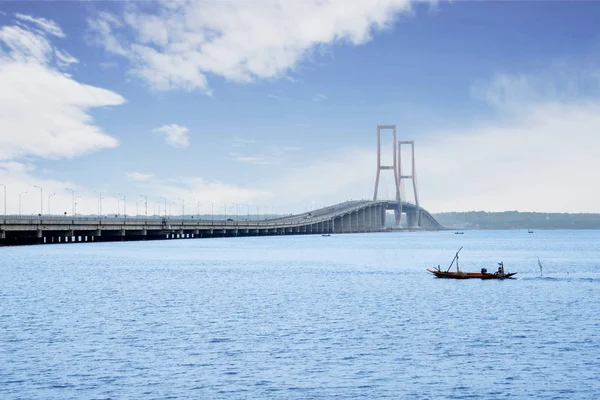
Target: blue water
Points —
{"points": [[299, 317]]}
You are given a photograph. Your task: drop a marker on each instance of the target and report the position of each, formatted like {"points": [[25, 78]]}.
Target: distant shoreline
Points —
{"points": [[516, 220]]}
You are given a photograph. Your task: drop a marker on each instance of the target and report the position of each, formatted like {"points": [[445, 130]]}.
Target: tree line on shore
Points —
{"points": [[517, 220]]}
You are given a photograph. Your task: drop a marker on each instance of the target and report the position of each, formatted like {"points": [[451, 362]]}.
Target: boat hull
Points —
{"points": [[469, 275]]}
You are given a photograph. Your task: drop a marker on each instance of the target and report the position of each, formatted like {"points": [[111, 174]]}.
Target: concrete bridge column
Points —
{"points": [[411, 220], [362, 216]]}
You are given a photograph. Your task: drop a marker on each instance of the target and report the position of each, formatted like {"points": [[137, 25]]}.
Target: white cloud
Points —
{"points": [[240, 141], [43, 112], [319, 97], [138, 176], [25, 46], [347, 174], [175, 135], [64, 59], [540, 153], [178, 45], [545, 160], [193, 189], [272, 155], [45, 25], [20, 177], [251, 159]]}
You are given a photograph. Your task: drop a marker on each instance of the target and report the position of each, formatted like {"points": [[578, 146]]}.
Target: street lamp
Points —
{"points": [[197, 207], [124, 205], [165, 204], [145, 203], [49, 196], [72, 201], [99, 202], [212, 208], [225, 207], [2, 184], [20, 194], [41, 198], [77, 197], [182, 207], [257, 211]]}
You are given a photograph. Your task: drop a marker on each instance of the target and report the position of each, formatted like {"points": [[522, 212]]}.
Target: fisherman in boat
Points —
{"points": [[500, 269]]}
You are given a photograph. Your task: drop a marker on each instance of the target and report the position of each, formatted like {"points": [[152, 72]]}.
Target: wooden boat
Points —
{"points": [[484, 274], [470, 275]]}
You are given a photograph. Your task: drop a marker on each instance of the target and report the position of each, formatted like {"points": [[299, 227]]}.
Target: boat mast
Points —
{"points": [[455, 258]]}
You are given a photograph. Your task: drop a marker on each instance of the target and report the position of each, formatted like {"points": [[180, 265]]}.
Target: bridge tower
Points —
{"points": [[394, 167], [413, 219]]}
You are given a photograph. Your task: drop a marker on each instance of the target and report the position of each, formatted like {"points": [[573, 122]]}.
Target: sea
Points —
{"points": [[352, 316]]}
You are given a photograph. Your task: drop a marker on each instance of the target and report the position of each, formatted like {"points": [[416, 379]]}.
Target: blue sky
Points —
{"points": [[276, 103]]}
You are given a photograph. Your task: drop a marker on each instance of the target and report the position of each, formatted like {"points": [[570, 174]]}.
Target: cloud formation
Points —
{"points": [[177, 44], [43, 111], [46, 25], [175, 135], [538, 154]]}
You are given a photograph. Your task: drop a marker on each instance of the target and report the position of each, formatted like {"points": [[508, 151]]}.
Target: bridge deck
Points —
{"points": [[348, 217]]}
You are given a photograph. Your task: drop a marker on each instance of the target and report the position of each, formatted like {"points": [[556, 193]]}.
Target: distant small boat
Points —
{"points": [[326, 235], [500, 274], [529, 231], [459, 233]]}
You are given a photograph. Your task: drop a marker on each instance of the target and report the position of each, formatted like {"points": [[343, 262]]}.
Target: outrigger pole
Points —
{"points": [[455, 258]]}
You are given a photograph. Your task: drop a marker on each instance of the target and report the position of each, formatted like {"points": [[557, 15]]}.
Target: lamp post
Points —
{"points": [[237, 214], [75, 210], [2, 184], [72, 201], [165, 204], [145, 203], [99, 202], [225, 207], [49, 196], [41, 198], [197, 208], [124, 205], [182, 207], [212, 207], [20, 194]]}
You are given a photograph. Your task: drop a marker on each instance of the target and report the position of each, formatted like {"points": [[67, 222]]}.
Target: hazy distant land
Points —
{"points": [[517, 220]]}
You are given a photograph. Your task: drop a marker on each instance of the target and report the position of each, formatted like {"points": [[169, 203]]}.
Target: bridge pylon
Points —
{"points": [[413, 221], [394, 167]]}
